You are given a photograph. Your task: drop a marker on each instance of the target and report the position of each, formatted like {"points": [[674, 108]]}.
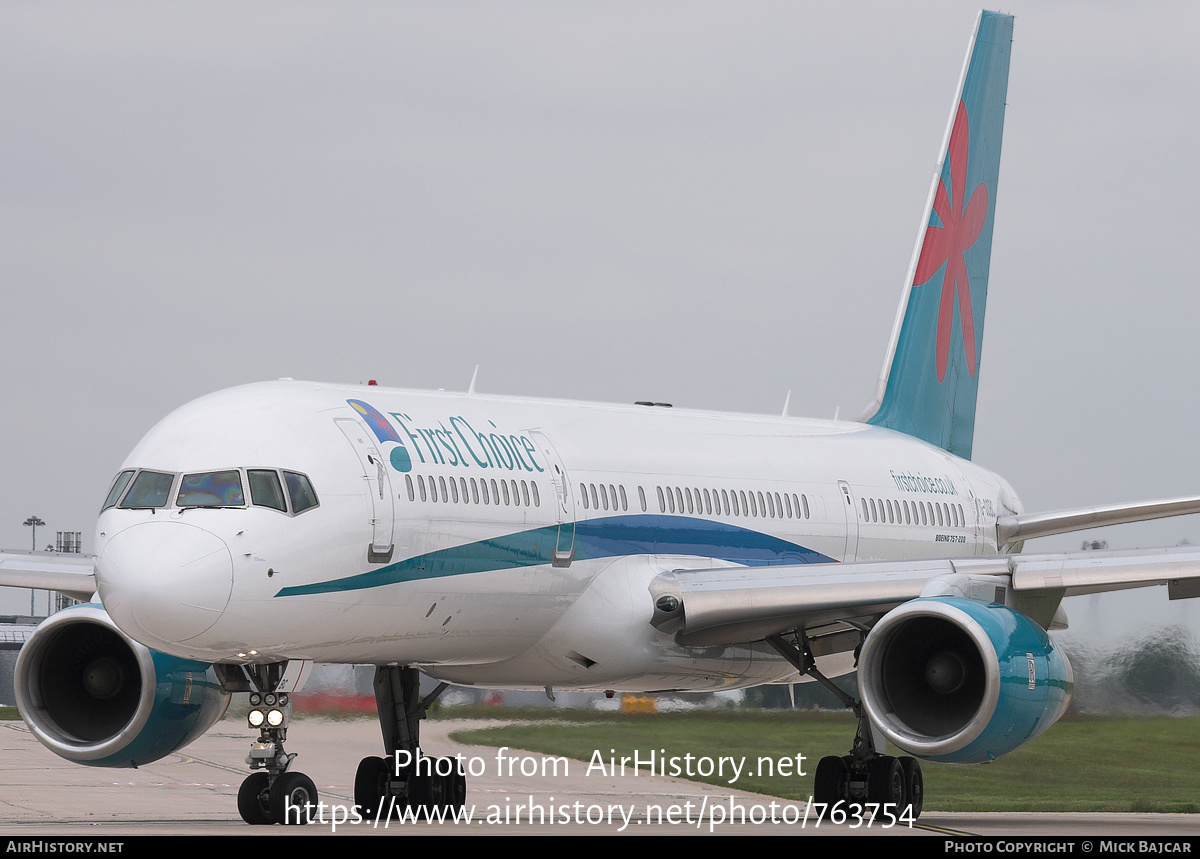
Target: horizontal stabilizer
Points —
{"points": [[1027, 526]]}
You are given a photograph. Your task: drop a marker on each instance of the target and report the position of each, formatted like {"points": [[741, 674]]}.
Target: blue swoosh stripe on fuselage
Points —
{"points": [[594, 538]]}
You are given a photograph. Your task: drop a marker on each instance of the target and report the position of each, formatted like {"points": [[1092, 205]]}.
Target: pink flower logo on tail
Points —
{"points": [[961, 226]]}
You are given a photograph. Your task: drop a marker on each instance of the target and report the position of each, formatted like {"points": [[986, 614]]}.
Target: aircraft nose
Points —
{"points": [[164, 582]]}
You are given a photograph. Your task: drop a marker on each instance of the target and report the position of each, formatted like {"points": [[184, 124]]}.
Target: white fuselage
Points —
{"points": [[507, 541]]}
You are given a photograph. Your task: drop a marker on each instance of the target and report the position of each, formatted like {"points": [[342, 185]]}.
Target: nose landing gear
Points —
{"points": [[274, 792]]}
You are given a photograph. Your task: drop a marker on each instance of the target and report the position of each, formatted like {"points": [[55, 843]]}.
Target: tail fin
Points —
{"points": [[930, 376]]}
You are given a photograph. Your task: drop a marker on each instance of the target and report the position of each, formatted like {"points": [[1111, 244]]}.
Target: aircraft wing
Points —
{"points": [[740, 604], [69, 574]]}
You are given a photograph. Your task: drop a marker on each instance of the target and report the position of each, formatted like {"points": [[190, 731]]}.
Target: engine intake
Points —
{"points": [[951, 679], [92, 695]]}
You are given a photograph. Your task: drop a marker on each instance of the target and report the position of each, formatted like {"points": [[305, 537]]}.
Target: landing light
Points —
{"points": [[274, 718], [256, 718]]}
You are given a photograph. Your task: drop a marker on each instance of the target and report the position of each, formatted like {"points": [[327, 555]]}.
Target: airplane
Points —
{"points": [[546, 544]]}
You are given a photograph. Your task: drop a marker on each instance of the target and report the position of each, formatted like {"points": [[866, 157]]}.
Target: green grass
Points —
{"points": [[1081, 764]]}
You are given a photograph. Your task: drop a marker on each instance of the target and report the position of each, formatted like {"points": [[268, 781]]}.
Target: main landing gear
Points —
{"points": [[406, 782], [274, 793], [864, 775]]}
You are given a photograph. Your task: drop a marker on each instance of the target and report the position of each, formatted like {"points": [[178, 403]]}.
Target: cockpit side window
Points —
{"points": [[300, 490], [118, 487], [265, 489], [149, 489], [211, 489]]}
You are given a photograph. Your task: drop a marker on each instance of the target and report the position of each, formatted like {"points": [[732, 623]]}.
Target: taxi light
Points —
{"points": [[256, 718], [274, 718]]}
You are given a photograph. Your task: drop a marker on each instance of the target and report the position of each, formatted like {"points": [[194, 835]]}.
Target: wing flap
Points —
{"points": [[730, 605], [1094, 572], [735, 604]]}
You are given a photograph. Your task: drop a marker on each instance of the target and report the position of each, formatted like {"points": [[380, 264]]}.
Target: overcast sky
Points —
{"points": [[707, 204]]}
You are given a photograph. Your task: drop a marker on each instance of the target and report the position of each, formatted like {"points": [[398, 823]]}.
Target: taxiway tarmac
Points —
{"points": [[194, 792]]}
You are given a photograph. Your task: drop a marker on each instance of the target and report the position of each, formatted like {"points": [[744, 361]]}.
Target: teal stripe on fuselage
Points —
{"points": [[616, 536]]}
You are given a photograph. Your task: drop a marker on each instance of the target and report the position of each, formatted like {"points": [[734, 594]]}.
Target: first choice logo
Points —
{"points": [[460, 444]]}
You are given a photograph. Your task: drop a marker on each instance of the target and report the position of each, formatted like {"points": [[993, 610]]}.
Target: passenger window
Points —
{"points": [[301, 491], [150, 489], [537, 500], [412, 496], [267, 491], [117, 488]]}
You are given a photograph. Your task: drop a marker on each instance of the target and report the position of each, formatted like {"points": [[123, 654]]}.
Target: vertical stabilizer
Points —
{"points": [[930, 376]]}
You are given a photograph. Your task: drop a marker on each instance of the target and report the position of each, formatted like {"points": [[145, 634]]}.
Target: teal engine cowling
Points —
{"points": [[959, 681], [92, 695]]}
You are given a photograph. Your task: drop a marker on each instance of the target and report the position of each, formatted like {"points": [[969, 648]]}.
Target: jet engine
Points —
{"points": [[955, 680], [93, 696]]}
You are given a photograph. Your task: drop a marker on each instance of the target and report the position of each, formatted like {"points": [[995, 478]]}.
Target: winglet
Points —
{"points": [[930, 376]]}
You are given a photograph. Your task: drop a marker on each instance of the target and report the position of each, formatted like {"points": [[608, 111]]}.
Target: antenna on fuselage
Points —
{"points": [[786, 400], [474, 376]]}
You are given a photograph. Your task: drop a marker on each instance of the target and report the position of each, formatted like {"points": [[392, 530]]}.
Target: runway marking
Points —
{"points": [[188, 759], [943, 830]]}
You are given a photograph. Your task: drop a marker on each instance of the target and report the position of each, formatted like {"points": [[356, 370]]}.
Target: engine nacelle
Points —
{"points": [[960, 681], [93, 696]]}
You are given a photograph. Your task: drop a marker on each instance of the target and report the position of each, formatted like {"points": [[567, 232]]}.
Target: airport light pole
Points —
{"points": [[33, 523]]}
